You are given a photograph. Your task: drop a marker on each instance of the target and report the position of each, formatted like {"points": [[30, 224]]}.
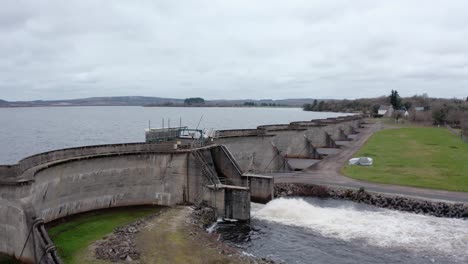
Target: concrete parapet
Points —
{"points": [[239, 133], [62, 154], [274, 127], [8, 171], [305, 124]]}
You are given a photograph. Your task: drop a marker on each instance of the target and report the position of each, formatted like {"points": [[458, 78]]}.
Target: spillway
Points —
{"points": [[299, 230]]}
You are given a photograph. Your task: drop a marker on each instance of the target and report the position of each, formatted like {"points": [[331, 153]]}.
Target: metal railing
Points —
{"points": [[38, 231], [209, 176]]}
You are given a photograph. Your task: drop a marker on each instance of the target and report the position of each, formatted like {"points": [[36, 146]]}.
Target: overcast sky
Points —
{"points": [[232, 49]]}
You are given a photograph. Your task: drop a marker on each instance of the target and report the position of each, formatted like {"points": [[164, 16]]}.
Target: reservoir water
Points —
{"points": [[311, 230], [28, 131]]}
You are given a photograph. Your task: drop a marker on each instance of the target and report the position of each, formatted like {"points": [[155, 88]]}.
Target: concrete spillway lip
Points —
{"points": [[342, 143], [328, 151], [301, 164], [225, 186]]}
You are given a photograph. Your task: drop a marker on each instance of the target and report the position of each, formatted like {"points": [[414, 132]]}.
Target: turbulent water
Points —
{"points": [[310, 230], [27, 131]]}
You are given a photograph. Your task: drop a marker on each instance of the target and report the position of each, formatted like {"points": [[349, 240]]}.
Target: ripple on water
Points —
{"points": [[297, 230]]}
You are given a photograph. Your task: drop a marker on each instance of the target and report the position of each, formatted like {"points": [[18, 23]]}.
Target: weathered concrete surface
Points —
{"points": [[301, 164], [261, 187], [328, 151], [267, 148], [13, 225], [254, 153]]}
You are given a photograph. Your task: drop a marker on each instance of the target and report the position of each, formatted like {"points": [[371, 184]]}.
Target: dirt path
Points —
{"points": [[327, 172], [172, 238]]}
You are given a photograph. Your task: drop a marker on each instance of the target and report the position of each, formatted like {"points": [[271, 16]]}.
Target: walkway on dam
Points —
{"points": [[327, 172]]}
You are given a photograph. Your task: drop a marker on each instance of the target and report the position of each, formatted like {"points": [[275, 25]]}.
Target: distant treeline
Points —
{"points": [[198, 101], [421, 108]]}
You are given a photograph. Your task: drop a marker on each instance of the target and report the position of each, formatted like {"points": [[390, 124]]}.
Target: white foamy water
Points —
{"points": [[381, 227]]}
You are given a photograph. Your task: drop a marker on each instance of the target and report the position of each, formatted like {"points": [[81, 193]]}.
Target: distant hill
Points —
{"points": [[98, 101], [150, 101]]}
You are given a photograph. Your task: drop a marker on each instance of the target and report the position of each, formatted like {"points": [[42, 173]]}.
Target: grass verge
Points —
{"points": [[73, 237], [424, 157], [7, 260]]}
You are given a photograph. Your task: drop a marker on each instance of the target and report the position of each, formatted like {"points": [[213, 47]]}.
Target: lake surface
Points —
{"points": [[28, 131]]}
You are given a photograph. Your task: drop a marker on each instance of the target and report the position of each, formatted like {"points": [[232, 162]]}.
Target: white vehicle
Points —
{"points": [[363, 161]]}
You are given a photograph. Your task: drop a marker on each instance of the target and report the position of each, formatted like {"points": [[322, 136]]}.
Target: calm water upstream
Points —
{"points": [[310, 230], [27, 131]]}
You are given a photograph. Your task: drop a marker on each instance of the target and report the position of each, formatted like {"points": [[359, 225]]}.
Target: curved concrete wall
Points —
{"points": [[86, 182], [121, 180], [13, 228]]}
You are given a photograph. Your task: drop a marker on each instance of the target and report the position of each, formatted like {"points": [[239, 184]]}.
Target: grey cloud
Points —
{"points": [[232, 49]]}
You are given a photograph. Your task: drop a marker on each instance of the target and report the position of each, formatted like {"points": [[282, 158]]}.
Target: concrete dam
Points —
{"points": [[227, 174]]}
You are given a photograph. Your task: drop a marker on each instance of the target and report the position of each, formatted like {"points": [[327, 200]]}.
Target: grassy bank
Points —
{"points": [[415, 156], [7, 260], [73, 237]]}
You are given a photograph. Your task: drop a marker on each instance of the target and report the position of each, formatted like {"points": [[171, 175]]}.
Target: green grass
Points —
{"points": [[73, 237], [425, 157], [7, 260]]}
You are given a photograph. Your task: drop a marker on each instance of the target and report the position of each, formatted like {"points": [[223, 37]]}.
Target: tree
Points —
{"points": [[407, 105], [395, 100], [439, 115], [194, 101], [375, 109], [464, 124], [320, 106]]}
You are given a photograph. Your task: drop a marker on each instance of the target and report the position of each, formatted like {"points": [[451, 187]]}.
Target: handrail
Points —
{"points": [[231, 159]]}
